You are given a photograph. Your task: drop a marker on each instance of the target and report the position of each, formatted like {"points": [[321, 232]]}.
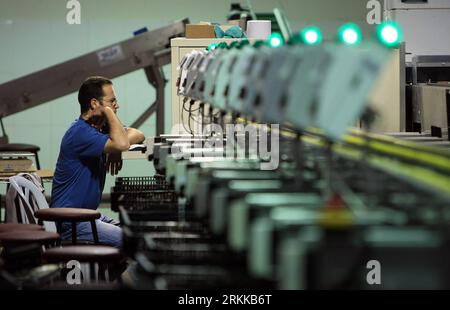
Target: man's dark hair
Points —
{"points": [[92, 88]]}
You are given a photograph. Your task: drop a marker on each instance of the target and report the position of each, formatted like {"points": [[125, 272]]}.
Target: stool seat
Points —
{"points": [[67, 214], [22, 147], [83, 253], [19, 227], [19, 147], [14, 238]]}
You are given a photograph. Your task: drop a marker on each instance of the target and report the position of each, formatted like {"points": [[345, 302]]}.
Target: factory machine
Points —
{"points": [[273, 190]]}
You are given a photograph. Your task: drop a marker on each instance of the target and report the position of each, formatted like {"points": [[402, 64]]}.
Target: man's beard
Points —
{"points": [[98, 120]]}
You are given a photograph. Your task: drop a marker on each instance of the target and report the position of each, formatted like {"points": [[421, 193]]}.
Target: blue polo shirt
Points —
{"points": [[80, 172]]}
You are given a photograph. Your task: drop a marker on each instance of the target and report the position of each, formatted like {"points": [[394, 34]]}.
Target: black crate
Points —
{"points": [[141, 193], [141, 183], [142, 221], [159, 212], [141, 200], [160, 219], [187, 249], [194, 277]]}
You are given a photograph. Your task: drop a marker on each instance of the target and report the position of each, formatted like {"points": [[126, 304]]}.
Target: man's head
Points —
{"points": [[96, 91]]}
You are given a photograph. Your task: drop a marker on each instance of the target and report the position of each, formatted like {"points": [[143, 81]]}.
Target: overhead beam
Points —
{"points": [[112, 61]]}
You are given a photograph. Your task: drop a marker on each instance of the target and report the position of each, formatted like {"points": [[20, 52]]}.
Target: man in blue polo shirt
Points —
{"points": [[88, 150]]}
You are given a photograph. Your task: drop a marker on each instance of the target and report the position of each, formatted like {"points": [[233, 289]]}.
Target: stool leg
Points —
{"points": [[59, 227], [86, 271], [74, 233], [107, 273], [94, 232], [103, 271], [38, 165], [59, 231], [96, 272], [3, 219]]}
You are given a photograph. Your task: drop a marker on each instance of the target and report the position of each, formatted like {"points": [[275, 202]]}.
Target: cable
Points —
{"points": [[191, 109], [182, 114], [189, 119]]}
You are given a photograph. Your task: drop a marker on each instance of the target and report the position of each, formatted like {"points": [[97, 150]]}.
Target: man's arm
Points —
{"points": [[118, 139], [135, 136], [114, 160]]}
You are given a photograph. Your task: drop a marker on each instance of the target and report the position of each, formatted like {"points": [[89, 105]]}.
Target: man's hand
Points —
{"points": [[113, 163], [106, 109], [118, 139]]}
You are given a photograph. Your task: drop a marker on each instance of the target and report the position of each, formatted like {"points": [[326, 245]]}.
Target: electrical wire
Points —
{"points": [[182, 114], [184, 108], [189, 119]]}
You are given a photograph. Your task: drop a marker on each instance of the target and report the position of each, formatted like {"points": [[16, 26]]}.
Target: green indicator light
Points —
{"points": [[275, 40], [223, 45], [243, 43], [212, 46], [258, 44], [349, 34], [234, 44], [311, 35], [389, 34]]}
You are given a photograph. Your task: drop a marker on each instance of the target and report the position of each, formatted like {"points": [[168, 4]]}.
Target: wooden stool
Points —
{"points": [[19, 227], [20, 147], [73, 215], [18, 238], [83, 253], [91, 254]]}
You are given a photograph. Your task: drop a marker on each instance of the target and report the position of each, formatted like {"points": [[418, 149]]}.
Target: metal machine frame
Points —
{"points": [[149, 51]]}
